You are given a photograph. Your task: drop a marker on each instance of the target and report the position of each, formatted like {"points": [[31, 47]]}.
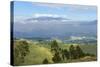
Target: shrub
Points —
{"points": [[45, 61], [20, 51]]}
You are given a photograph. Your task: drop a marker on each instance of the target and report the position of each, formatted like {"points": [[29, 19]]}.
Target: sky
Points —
{"points": [[24, 10]]}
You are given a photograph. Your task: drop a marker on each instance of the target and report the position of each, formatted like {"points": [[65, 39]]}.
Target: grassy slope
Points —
{"points": [[92, 49], [37, 55], [39, 52]]}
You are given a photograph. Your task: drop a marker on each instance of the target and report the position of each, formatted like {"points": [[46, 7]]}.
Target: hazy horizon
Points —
{"points": [[54, 20]]}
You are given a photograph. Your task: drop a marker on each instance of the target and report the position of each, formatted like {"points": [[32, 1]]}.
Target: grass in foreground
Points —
{"points": [[36, 53]]}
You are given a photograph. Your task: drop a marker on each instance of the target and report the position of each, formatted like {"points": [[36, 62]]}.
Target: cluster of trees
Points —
{"points": [[20, 51], [60, 55], [76, 52]]}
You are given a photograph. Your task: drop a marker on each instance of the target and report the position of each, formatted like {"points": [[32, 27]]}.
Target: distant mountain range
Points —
{"points": [[51, 19], [94, 22], [54, 27], [41, 19]]}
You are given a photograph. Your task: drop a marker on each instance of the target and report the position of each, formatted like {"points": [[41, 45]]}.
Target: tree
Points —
{"points": [[79, 52], [56, 57], [65, 54], [24, 47], [45, 61], [20, 51], [54, 44], [72, 52], [76, 52]]}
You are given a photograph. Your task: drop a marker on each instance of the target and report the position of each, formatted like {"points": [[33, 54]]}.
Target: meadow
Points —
{"points": [[29, 52]]}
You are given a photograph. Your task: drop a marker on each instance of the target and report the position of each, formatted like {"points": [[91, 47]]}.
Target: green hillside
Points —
{"points": [[36, 52]]}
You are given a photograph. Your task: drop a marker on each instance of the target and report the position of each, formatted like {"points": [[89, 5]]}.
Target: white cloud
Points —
{"points": [[48, 15]]}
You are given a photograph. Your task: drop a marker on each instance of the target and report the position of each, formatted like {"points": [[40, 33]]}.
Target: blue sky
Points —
{"points": [[23, 10]]}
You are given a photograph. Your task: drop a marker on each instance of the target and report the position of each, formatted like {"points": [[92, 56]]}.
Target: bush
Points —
{"points": [[45, 61], [20, 51], [17, 57]]}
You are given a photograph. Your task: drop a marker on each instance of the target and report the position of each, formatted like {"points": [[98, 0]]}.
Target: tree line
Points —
{"points": [[59, 54]]}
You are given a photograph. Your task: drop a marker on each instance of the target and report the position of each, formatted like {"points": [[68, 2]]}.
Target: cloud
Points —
{"points": [[48, 15], [36, 18]]}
